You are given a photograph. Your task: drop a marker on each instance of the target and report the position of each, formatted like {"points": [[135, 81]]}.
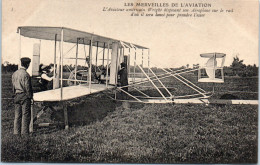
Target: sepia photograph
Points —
{"points": [[130, 81]]}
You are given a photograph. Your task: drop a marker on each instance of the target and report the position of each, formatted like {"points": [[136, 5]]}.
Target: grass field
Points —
{"points": [[103, 131]]}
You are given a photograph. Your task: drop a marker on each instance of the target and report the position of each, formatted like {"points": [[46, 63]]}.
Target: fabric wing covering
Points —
{"points": [[209, 55], [69, 35]]}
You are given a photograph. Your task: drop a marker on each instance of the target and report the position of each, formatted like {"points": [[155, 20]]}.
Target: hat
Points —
{"points": [[25, 60], [123, 64]]}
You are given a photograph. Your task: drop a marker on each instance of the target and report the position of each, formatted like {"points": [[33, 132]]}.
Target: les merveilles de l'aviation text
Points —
{"points": [[168, 4], [162, 5]]}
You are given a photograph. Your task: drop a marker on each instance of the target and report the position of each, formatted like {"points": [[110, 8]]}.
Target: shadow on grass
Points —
{"points": [[229, 97], [89, 109], [83, 112]]}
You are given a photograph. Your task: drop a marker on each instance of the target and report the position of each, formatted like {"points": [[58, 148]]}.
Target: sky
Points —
{"points": [[173, 42]]}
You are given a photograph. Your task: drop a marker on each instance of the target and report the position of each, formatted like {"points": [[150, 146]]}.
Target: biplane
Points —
{"points": [[102, 74]]}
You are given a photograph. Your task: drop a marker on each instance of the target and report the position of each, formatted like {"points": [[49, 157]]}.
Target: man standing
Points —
{"points": [[123, 80], [123, 77], [23, 97]]}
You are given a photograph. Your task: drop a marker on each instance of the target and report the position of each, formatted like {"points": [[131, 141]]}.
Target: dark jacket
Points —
{"points": [[123, 77], [43, 82]]}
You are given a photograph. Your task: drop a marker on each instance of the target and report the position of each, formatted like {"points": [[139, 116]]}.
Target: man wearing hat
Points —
{"points": [[123, 77], [23, 97]]}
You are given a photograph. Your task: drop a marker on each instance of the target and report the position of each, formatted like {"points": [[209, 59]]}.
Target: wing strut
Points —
{"points": [[54, 67], [152, 83], [76, 62], [61, 59], [96, 57], [108, 45], [104, 54], [90, 63], [161, 83]]}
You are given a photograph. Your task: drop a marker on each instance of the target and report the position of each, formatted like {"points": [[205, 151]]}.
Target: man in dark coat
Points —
{"points": [[23, 97], [123, 77]]}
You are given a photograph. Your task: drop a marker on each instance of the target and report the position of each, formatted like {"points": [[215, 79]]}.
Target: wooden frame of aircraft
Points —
{"points": [[63, 34], [119, 51]]}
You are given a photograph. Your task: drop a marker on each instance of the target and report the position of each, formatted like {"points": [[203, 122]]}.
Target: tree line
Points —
{"points": [[238, 68]]}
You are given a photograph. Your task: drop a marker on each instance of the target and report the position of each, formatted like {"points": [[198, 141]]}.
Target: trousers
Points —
{"points": [[123, 94], [22, 115]]}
